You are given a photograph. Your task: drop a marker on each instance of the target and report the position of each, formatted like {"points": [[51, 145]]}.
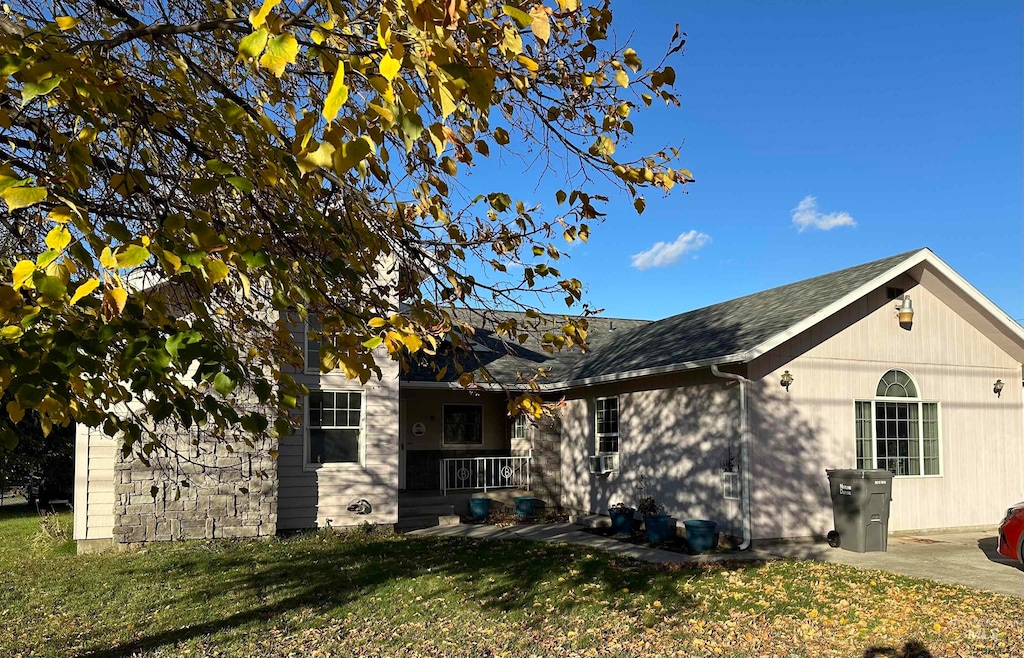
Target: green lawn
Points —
{"points": [[383, 595]]}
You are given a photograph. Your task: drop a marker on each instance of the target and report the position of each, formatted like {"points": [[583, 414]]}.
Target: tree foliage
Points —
{"points": [[180, 175], [51, 457]]}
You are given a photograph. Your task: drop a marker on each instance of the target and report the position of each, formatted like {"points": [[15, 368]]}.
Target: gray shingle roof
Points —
{"points": [[712, 332]]}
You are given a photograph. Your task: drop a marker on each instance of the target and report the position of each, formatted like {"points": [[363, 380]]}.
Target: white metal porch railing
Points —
{"points": [[485, 473]]}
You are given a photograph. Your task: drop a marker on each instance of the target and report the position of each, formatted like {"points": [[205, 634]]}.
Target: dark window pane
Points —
{"points": [[316, 403], [333, 446], [463, 424]]}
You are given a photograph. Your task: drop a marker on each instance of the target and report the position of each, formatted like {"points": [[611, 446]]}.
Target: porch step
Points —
{"points": [[417, 499], [414, 510], [408, 523]]}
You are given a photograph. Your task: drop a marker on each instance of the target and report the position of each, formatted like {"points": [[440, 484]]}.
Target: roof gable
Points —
{"points": [[727, 331], [742, 329]]}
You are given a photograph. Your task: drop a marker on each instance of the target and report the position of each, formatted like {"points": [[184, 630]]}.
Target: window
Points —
{"points": [[312, 354], [519, 425], [896, 431], [896, 384], [463, 424], [334, 429], [607, 422]]}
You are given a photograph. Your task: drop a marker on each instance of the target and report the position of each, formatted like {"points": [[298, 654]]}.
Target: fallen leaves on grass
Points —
{"points": [[321, 595]]}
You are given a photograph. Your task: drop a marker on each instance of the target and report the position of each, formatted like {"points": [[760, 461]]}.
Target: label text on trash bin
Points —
{"points": [[845, 490]]}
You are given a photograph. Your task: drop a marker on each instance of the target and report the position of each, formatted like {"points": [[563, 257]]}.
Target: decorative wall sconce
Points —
{"points": [[906, 312], [786, 381], [997, 388]]}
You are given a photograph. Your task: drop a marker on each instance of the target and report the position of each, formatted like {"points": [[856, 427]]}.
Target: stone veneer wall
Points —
{"points": [[546, 465], [230, 493]]}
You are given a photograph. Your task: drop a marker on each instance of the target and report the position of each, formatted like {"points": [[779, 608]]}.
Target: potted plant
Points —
{"points": [[622, 518], [657, 524]]}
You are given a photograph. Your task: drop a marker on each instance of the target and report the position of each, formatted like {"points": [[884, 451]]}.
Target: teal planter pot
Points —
{"points": [[479, 508], [525, 506], [622, 522], [658, 527], [700, 534]]}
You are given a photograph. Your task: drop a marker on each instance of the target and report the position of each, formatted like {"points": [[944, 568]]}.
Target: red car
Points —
{"points": [[1011, 533]]}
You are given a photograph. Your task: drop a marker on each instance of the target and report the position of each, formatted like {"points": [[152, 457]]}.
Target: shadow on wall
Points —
{"points": [[681, 432], [331, 495], [789, 488]]}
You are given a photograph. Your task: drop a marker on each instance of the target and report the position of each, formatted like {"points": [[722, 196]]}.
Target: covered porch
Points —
{"points": [[455, 444], [461, 441]]}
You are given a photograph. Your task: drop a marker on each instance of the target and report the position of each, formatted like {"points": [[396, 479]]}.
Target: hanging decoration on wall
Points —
{"points": [[361, 507], [419, 429]]}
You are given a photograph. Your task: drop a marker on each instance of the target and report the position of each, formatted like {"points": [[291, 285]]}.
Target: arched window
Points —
{"points": [[897, 431], [896, 384]]}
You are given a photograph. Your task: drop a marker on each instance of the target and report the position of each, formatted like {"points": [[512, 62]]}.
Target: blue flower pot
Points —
{"points": [[525, 506], [658, 527], [700, 534], [622, 522], [479, 508]]}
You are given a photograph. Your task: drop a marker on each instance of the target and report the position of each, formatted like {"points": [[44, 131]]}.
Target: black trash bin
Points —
{"points": [[860, 508]]}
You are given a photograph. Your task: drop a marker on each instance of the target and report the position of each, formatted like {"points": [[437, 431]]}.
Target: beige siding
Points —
{"points": [[95, 454], [311, 496], [800, 434], [675, 430]]}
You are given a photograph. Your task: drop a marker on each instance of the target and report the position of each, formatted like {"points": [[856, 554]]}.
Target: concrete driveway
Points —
{"points": [[958, 558]]}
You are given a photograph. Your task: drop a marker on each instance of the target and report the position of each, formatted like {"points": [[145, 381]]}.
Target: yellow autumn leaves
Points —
{"points": [[276, 52]]}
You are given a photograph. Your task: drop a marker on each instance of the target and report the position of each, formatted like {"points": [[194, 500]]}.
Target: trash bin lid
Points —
{"points": [[858, 473]]}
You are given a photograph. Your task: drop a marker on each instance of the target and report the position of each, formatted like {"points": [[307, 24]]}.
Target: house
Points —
{"points": [[733, 412]]}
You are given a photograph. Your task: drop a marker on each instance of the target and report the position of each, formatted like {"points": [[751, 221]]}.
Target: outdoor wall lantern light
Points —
{"points": [[906, 311], [786, 381], [997, 388]]}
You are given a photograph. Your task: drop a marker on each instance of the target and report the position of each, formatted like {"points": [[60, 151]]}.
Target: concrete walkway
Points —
{"points": [[965, 558], [570, 533]]}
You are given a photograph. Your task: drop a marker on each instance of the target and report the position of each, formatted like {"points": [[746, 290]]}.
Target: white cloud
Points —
{"points": [[668, 253], [806, 215]]}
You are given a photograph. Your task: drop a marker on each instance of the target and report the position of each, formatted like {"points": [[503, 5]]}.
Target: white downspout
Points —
{"points": [[744, 452]]}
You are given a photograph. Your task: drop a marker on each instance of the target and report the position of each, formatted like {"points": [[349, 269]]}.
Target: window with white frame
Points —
{"points": [[463, 424], [519, 426], [607, 425], [897, 431], [334, 431]]}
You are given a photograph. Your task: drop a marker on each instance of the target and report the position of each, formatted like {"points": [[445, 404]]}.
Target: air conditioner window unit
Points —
{"points": [[601, 464]]}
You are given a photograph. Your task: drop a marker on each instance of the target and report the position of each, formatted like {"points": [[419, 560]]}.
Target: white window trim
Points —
{"points": [[912, 381], [360, 465], [483, 423], [313, 369], [520, 418], [920, 431], [599, 435]]}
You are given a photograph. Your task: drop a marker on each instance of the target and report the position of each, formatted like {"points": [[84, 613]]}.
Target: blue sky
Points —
{"points": [[903, 121]]}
